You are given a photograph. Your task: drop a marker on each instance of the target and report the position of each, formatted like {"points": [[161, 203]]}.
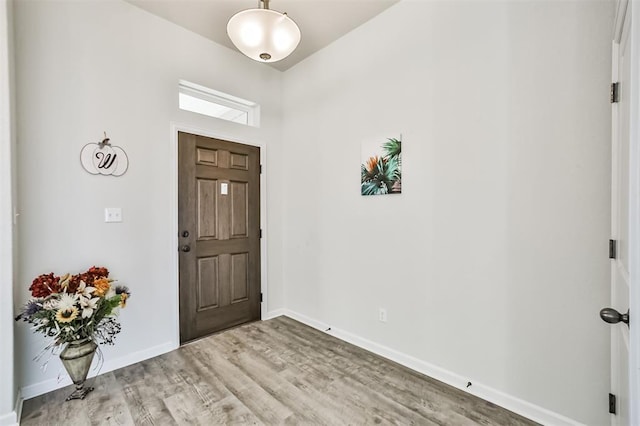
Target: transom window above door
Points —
{"points": [[203, 100]]}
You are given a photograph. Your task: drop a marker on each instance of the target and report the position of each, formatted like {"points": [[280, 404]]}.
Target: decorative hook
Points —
{"points": [[105, 141]]}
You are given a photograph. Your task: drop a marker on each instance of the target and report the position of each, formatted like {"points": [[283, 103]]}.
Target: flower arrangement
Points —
{"points": [[75, 307]]}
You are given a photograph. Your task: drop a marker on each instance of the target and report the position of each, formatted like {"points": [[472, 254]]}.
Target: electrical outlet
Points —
{"points": [[113, 214], [382, 316]]}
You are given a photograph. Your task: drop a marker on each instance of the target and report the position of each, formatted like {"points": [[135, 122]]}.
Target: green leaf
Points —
{"points": [[373, 188], [392, 148]]}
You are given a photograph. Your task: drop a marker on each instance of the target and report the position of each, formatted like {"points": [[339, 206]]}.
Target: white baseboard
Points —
{"points": [[18, 409], [511, 403], [273, 314], [109, 365], [9, 419], [12, 418]]}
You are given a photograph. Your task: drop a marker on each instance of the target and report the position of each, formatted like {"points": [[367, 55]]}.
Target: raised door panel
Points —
{"points": [[239, 161], [239, 277], [207, 209], [208, 283], [224, 205], [207, 157], [239, 214]]}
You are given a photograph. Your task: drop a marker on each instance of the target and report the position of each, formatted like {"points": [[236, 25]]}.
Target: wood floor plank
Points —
{"points": [[34, 411], [276, 372], [106, 404], [279, 388], [145, 399], [230, 411], [263, 405], [255, 398], [184, 409], [344, 406], [59, 411], [226, 372]]}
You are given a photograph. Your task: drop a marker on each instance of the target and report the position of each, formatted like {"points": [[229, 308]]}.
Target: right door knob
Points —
{"points": [[612, 316]]}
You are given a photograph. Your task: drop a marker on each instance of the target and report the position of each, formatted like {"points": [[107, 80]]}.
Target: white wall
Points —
{"points": [[7, 200], [493, 263], [88, 67]]}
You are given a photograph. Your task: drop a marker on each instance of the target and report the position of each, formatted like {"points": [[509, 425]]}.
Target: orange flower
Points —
{"points": [[101, 285], [372, 163]]}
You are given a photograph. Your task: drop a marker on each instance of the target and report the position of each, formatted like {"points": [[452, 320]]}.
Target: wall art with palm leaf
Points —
{"points": [[381, 167]]}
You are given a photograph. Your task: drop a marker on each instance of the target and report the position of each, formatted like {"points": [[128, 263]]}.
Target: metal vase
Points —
{"points": [[76, 358]]}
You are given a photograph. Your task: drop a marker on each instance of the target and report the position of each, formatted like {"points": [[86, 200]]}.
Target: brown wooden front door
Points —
{"points": [[219, 234]]}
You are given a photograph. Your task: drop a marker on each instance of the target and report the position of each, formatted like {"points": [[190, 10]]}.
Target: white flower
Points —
{"points": [[66, 302], [84, 290], [50, 304], [88, 306]]}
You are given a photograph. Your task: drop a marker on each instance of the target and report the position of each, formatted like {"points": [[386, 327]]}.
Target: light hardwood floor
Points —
{"points": [[271, 372]]}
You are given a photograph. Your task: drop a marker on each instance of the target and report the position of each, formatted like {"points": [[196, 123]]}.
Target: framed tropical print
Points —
{"points": [[381, 166]]}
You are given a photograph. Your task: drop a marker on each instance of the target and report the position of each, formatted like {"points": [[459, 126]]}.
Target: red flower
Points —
{"points": [[44, 285], [96, 272], [74, 283]]}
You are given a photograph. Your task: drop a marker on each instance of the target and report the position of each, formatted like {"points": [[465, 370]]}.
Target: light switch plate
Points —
{"points": [[113, 214], [224, 188]]}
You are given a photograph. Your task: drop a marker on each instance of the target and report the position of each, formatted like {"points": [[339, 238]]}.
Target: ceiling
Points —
{"points": [[320, 21]]}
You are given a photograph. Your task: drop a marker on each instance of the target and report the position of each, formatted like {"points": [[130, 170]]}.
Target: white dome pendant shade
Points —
{"points": [[262, 34]]}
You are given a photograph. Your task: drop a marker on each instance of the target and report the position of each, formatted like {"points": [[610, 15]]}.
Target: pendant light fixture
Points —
{"points": [[263, 34]]}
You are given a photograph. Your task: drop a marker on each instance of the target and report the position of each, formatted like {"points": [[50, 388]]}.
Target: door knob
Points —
{"points": [[612, 316], [185, 248]]}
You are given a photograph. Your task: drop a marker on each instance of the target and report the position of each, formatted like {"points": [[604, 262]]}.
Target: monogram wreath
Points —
{"points": [[102, 158]]}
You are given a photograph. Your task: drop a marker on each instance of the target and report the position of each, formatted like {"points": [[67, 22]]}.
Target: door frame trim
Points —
{"points": [[622, 8], [173, 194], [634, 214]]}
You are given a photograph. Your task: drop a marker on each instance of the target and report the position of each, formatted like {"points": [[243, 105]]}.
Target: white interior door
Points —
{"points": [[624, 220]]}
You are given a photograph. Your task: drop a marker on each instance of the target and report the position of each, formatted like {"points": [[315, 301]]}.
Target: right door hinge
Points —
{"points": [[613, 249], [260, 233], [612, 403], [615, 92]]}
